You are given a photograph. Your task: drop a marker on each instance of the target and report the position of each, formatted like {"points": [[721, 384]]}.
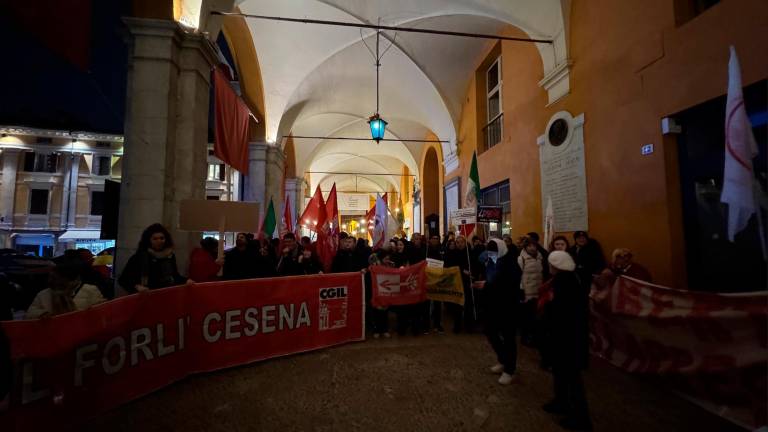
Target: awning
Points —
{"points": [[81, 235]]}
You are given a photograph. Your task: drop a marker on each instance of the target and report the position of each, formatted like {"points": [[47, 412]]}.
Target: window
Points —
{"points": [[492, 129], [38, 203], [216, 172], [40, 162], [213, 198], [102, 165], [97, 203]]}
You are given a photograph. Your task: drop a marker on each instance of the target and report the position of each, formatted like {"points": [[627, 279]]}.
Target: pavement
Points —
{"points": [[436, 382]]}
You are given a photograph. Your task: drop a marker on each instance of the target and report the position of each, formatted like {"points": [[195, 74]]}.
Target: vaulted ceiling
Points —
{"points": [[321, 81]]}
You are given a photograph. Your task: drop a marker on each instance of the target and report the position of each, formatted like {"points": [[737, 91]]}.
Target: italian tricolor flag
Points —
{"points": [[473, 185]]}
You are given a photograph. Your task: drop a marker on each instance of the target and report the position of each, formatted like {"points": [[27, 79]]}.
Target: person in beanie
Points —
{"points": [[501, 299], [569, 340]]}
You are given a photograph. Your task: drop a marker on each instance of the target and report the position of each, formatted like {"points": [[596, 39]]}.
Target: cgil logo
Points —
{"points": [[330, 293]]}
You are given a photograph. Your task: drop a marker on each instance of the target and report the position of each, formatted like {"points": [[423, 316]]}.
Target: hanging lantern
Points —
{"points": [[378, 127]]}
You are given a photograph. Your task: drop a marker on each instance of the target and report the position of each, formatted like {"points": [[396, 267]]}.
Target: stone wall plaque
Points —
{"points": [[563, 174]]}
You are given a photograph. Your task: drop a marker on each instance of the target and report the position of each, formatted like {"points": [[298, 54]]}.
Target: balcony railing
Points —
{"points": [[492, 131]]}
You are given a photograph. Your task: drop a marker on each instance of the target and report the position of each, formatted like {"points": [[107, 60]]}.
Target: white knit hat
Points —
{"points": [[562, 261]]}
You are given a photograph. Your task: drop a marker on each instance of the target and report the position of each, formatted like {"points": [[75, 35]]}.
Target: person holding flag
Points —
{"points": [[328, 232]]}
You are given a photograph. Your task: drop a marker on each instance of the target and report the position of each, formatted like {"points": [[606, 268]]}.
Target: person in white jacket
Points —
{"points": [[65, 292], [532, 266]]}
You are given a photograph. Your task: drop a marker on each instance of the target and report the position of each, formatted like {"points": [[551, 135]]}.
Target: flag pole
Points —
{"points": [[471, 290]]}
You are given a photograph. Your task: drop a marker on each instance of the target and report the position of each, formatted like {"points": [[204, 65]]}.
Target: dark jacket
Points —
{"points": [[310, 266], [458, 258], [239, 264], [416, 254], [347, 261], [501, 293], [289, 265], [145, 268], [435, 252], [400, 259], [569, 322], [589, 259]]}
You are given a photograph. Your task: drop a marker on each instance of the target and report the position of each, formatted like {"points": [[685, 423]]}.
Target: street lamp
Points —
{"points": [[378, 126]]}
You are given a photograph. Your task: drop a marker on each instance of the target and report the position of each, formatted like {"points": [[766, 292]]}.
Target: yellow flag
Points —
{"points": [[444, 284]]}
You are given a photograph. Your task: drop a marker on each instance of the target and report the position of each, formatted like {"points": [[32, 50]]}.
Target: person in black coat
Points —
{"points": [[569, 339], [501, 297], [288, 264], [456, 255], [347, 259], [153, 265], [239, 262], [588, 256], [309, 263]]}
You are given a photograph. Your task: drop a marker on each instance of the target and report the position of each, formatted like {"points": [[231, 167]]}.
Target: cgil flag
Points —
{"points": [[473, 185], [740, 149]]}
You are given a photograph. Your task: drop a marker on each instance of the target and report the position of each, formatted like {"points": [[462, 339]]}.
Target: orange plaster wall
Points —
{"points": [[632, 67]]}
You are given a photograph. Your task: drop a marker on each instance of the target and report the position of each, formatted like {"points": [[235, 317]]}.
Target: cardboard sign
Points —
{"points": [[435, 263], [486, 214], [465, 216], [223, 216]]}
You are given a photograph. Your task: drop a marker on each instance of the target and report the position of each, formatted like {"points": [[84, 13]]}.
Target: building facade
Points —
{"points": [[52, 188]]}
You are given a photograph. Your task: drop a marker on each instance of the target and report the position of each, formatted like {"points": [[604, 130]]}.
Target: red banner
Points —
{"points": [[713, 346], [75, 366], [398, 286]]}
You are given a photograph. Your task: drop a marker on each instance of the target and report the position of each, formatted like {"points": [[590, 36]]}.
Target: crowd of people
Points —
{"points": [[511, 286]]}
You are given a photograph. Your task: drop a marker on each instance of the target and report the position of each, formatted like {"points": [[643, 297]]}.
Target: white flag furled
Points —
{"points": [[549, 224], [380, 222], [740, 149]]}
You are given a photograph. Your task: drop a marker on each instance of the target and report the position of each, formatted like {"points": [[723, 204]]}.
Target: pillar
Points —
{"points": [[275, 171], [8, 189], [254, 184], [69, 194], [294, 194], [165, 151]]}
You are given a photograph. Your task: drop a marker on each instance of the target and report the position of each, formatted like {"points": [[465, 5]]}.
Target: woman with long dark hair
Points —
{"points": [[153, 265]]}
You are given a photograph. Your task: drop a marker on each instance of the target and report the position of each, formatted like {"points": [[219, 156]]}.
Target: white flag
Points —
{"points": [[549, 224], [740, 149], [380, 222]]}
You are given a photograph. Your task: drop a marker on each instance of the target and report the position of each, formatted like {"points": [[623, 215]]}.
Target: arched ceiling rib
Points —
{"points": [[320, 79]]}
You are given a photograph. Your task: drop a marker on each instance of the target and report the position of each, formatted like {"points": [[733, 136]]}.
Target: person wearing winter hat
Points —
{"points": [[569, 343], [501, 294]]}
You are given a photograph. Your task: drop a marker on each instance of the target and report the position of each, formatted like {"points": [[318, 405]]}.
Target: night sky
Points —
{"points": [[42, 86]]}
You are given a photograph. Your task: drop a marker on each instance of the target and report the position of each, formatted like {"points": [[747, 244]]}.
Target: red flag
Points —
{"points": [[395, 287], [287, 224], [314, 215], [231, 116], [328, 235]]}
